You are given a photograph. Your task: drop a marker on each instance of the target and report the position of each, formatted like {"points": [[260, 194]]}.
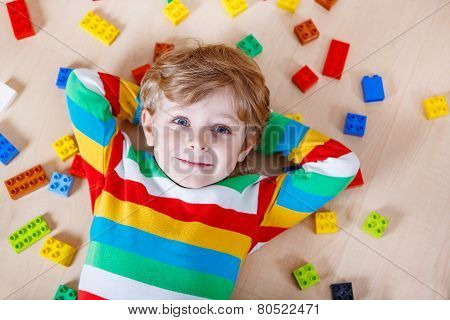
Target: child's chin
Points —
{"points": [[194, 181]]}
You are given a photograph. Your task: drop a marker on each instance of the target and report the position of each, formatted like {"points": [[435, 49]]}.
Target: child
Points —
{"points": [[179, 223]]}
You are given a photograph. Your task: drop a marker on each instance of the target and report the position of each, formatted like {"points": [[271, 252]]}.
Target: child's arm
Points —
{"points": [[96, 102], [325, 168]]}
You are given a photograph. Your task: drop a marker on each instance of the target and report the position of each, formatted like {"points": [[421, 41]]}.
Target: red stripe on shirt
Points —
{"points": [[112, 87], [84, 295]]}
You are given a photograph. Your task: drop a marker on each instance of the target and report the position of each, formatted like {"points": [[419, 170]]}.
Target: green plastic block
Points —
{"points": [[306, 276], [28, 234], [65, 293], [375, 224], [250, 46]]}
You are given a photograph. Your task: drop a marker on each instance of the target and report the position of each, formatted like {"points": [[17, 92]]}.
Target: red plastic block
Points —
{"points": [[20, 19], [139, 73], [304, 78], [77, 168], [161, 48], [335, 62], [26, 182]]}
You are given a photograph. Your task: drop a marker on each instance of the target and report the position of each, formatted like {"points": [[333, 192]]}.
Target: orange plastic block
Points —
{"points": [[306, 31], [327, 4], [65, 147], [139, 73], [326, 222], [161, 48], [26, 182], [58, 251]]}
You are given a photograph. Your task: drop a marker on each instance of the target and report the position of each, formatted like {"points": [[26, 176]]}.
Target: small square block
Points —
{"points": [[7, 150], [375, 224], [20, 19], [65, 293], [7, 96], [28, 234], [327, 4], [435, 107], [342, 291], [99, 28], [63, 75], [60, 184], [234, 7], [26, 182], [139, 72], [336, 57], [77, 168], [58, 251], [355, 124], [65, 147], [250, 46], [304, 78], [306, 276], [372, 88], [176, 11], [326, 222], [306, 31], [161, 48], [288, 5]]}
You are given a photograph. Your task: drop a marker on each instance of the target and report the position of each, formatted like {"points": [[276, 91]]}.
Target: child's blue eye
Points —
{"points": [[182, 121], [222, 130]]}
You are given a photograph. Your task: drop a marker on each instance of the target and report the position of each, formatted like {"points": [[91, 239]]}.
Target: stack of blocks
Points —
{"points": [[65, 293], [176, 11], [60, 184], [234, 7], [28, 234], [58, 251], [7, 150], [65, 147], [250, 46], [99, 28], [375, 224], [306, 276]]}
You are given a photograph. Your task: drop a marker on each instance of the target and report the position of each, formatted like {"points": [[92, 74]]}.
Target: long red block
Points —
{"points": [[304, 78], [335, 62], [20, 19]]}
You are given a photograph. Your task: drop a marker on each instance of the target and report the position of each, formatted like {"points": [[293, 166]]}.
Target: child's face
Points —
{"points": [[199, 144]]}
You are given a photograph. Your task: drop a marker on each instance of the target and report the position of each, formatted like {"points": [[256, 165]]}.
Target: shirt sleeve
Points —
{"points": [[323, 167], [97, 102]]}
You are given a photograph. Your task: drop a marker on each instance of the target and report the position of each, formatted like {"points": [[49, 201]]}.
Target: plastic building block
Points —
{"points": [[7, 96], [139, 73], [77, 168], [306, 276], [63, 75], [326, 222], [28, 234], [234, 7], [250, 46], [355, 124], [7, 150], [65, 293], [176, 11], [57, 251], [335, 62], [306, 31], [375, 224], [327, 4], [161, 48], [342, 291], [288, 5], [435, 107], [99, 28], [20, 19], [60, 184], [65, 147], [304, 78], [372, 88], [26, 182]]}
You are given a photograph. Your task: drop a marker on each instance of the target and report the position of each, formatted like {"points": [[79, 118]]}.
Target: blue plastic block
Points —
{"points": [[61, 184], [63, 75], [7, 150], [355, 124], [372, 88]]}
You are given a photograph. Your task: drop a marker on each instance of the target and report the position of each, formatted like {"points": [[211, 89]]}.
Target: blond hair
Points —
{"points": [[189, 73]]}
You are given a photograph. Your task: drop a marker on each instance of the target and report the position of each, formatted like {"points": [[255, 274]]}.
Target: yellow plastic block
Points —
{"points": [[435, 107], [294, 116], [99, 28], [58, 251], [176, 11], [234, 7], [288, 5], [65, 147], [326, 222]]}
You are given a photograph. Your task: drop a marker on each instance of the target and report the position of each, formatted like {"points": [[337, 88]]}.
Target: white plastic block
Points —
{"points": [[7, 96]]}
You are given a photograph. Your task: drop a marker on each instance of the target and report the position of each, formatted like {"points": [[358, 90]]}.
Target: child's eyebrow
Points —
{"points": [[225, 115]]}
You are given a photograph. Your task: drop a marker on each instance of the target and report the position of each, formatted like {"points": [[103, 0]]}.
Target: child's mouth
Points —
{"points": [[195, 164]]}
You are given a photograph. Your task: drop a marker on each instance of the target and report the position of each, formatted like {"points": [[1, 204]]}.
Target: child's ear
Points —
{"points": [[146, 122], [247, 147]]}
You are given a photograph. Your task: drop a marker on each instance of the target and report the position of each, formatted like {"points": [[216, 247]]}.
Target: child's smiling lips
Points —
{"points": [[195, 164]]}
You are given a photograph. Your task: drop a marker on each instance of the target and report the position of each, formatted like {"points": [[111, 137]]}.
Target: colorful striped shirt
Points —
{"points": [[153, 239]]}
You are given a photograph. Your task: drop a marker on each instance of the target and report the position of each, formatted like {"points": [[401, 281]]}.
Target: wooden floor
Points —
{"points": [[405, 158]]}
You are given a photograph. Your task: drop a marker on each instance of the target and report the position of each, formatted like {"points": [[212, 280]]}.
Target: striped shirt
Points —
{"points": [[153, 239]]}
